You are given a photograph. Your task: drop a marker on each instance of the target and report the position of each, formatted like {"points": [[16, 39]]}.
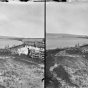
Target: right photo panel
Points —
{"points": [[67, 44]]}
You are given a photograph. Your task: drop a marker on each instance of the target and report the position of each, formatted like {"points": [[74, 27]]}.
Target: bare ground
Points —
{"points": [[19, 73]]}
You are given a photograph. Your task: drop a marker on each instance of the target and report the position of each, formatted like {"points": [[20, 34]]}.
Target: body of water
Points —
{"points": [[52, 43], [5, 42]]}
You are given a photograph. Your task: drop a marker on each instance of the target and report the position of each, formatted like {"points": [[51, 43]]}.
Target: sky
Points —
{"points": [[70, 18], [22, 19]]}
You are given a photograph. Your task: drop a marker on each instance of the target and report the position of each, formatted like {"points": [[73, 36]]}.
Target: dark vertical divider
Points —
{"points": [[45, 43]]}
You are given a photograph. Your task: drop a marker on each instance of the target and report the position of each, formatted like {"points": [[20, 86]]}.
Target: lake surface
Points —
{"points": [[52, 43], [4, 42]]}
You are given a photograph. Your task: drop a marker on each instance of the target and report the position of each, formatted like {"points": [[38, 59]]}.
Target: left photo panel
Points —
{"points": [[22, 45]]}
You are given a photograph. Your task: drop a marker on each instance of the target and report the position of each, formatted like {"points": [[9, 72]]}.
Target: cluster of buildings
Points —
{"points": [[36, 49], [84, 48]]}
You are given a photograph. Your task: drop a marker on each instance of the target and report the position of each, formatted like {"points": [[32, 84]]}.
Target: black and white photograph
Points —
{"points": [[67, 45], [22, 45], [22, 1], [67, 1]]}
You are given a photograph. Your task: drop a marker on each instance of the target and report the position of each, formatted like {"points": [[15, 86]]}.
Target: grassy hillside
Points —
{"points": [[67, 68]]}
